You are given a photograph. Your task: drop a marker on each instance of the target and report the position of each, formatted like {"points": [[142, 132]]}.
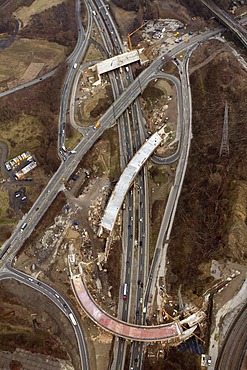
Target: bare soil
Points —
{"points": [[16, 59], [94, 106], [29, 320], [24, 13], [172, 360]]}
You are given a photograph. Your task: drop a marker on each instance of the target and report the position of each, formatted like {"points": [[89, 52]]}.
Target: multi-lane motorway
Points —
{"points": [[71, 161], [66, 168]]}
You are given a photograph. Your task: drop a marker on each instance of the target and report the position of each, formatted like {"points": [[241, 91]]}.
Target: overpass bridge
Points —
{"points": [[125, 181], [171, 332], [227, 20]]}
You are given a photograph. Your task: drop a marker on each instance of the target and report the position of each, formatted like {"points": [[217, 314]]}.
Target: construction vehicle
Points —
{"points": [[96, 125], [132, 33]]}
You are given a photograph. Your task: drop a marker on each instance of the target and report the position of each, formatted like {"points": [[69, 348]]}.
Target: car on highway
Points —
{"points": [[125, 291]]}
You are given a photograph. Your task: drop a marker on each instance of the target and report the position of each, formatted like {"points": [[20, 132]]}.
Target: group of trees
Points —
{"points": [[56, 24], [200, 228], [42, 102], [145, 9], [7, 21]]}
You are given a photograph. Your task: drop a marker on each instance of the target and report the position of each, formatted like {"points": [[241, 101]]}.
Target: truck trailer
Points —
{"points": [[96, 125]]}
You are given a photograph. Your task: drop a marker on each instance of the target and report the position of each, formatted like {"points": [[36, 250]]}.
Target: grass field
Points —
{"points": [[15, 59], [21, 136], [4, 203], [74, 139], [93, 54], [26, 12]]}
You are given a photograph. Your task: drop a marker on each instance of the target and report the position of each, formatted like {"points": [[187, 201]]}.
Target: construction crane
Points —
{"points": [[132, 33]]}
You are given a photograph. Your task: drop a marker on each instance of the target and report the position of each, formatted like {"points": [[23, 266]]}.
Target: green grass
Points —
{"points": [[21, 136], [72, 141], [15, 59]]}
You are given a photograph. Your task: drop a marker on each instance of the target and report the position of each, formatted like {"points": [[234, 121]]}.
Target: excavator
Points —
{"points": [[132, 33]]}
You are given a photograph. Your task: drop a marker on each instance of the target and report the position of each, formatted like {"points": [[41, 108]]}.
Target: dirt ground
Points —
{"points": [[94, 106], [34, 323], [26, 12], [159, 101], [16, 59], [50, 264], [124, 19], [31, 72]]}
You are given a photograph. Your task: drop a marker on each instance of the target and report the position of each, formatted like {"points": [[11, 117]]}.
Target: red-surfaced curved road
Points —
{"points": [[118, 327]]}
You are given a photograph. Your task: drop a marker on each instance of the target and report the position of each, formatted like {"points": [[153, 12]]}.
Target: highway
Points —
{"points": [[28, 84], [227, 20], [11, 273], [165, 332], [67, 167], [71, 161], [118, 80], [143, 234], [70, 59], [15, 242], [170, 210], [74, 59], [126, 149], [235, 344], [175, 156]]}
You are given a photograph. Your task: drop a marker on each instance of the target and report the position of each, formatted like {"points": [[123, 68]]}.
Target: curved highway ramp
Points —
{"points": [[168, 332]]}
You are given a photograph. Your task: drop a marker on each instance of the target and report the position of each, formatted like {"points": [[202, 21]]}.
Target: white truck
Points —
{"points": [[72, 318], [23, 227], [75, 65]]}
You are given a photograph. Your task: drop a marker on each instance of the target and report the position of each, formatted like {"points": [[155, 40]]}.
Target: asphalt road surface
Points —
{"points": [[10, 273], [235, 344]]}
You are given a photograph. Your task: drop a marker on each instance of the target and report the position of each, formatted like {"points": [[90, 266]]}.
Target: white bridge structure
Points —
{"points": [[126, 180]]}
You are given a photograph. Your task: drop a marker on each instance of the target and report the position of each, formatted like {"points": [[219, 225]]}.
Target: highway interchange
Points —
{"points": [[126, 94]]}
